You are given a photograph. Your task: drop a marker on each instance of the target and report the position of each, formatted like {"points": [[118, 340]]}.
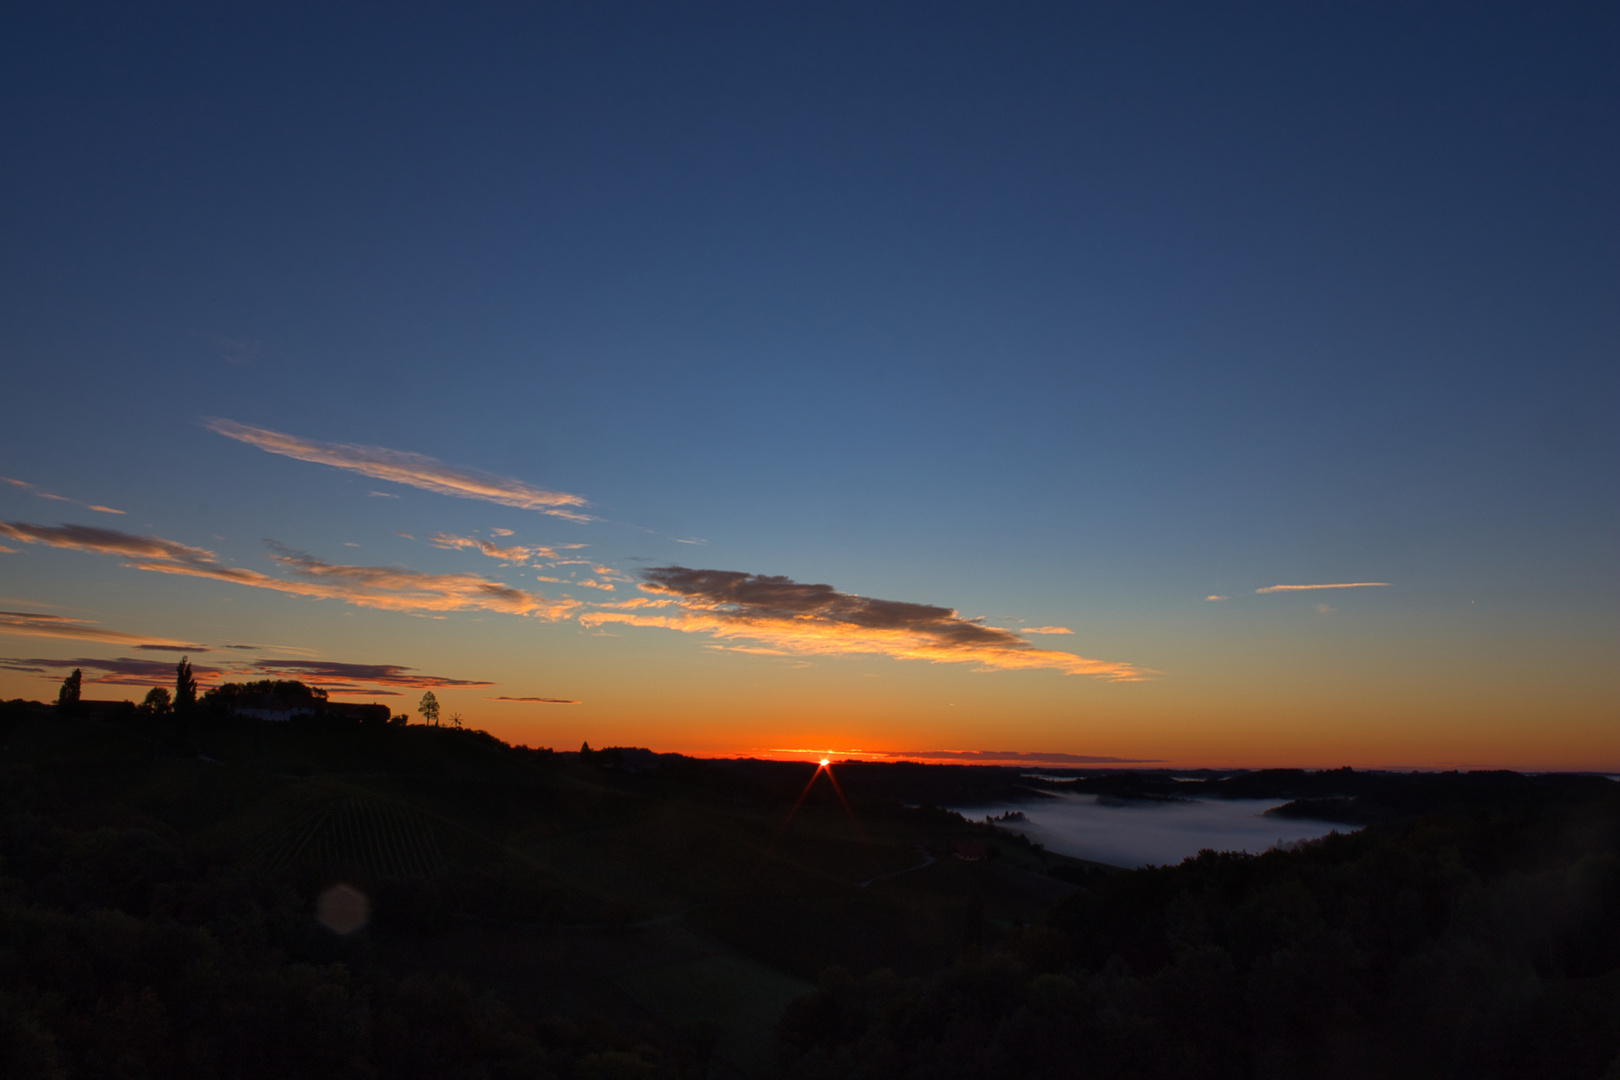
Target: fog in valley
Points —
{"points": [[1139, 833]]}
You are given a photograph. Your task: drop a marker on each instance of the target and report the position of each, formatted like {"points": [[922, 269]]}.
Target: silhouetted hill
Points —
{"points": [[1475, 935], [531, 912], [166, 909]]}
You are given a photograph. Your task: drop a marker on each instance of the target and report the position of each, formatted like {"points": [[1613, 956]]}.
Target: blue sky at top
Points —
{"points": [[1060, 313]]}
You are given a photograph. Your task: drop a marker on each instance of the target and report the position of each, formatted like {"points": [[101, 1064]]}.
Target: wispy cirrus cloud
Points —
{"points": [[41, 493], [387, 588], [30, 624], [1341, 585], [516, 554], [538, 700], [817, 619], [236, 351], [1046, 630], [404, 467], [544, 556]]}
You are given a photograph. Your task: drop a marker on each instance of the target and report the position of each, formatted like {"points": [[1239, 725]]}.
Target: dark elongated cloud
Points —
{"points": [[334, 676], [1015, 757], [403, 467], [537, 700], [119, 672], [389, 588], [803, 618], [104, 541], [29, 624], [378, 674]]}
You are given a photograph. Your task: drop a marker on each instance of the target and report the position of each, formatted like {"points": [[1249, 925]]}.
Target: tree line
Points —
{"points": [[183, 704]]}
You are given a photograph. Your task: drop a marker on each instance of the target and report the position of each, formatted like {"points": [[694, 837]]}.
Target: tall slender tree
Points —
{"points": [[67, 699], [185, 687], [429, 708]]}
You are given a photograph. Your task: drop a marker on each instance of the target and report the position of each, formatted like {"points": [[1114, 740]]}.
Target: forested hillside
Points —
{"points": [[1477, 941], [335, 897]]}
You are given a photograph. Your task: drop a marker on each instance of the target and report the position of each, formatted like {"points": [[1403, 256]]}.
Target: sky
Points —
{"points": [[1184, 384]]}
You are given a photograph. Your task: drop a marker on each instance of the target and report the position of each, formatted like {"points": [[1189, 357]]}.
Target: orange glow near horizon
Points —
{"points": [[1351, 696], [1313, 724]]}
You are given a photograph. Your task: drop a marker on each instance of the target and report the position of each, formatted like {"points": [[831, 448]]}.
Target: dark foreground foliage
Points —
{"points": [[129, 949], [123, 955], [618, 913], [1478, 943]]}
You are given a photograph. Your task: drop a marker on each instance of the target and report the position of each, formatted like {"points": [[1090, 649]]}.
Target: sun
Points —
{"points": [[825, 762]]}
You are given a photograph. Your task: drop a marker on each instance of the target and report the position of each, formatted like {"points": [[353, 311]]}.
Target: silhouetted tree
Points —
{"points": [[429, 708], [157, 702], [227, 696], [185, 687], [67, 699]]}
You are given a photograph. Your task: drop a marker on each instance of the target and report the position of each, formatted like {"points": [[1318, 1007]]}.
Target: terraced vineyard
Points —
{"points": [[384, 840]]}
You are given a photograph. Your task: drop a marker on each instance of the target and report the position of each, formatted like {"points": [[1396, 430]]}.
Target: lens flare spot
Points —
{"points": [[342, 909]]}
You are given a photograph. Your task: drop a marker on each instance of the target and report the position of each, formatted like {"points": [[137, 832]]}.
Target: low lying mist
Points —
{"points": [[1162, 833]]}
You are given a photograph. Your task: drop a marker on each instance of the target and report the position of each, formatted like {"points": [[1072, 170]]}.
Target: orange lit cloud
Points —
{"points": [[403, 467], [784, 614], [1345, 585], [515, 554], [43, 494], [101, 541], [25, 624], [519, 555], [387, 588], [1047, 630]]}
